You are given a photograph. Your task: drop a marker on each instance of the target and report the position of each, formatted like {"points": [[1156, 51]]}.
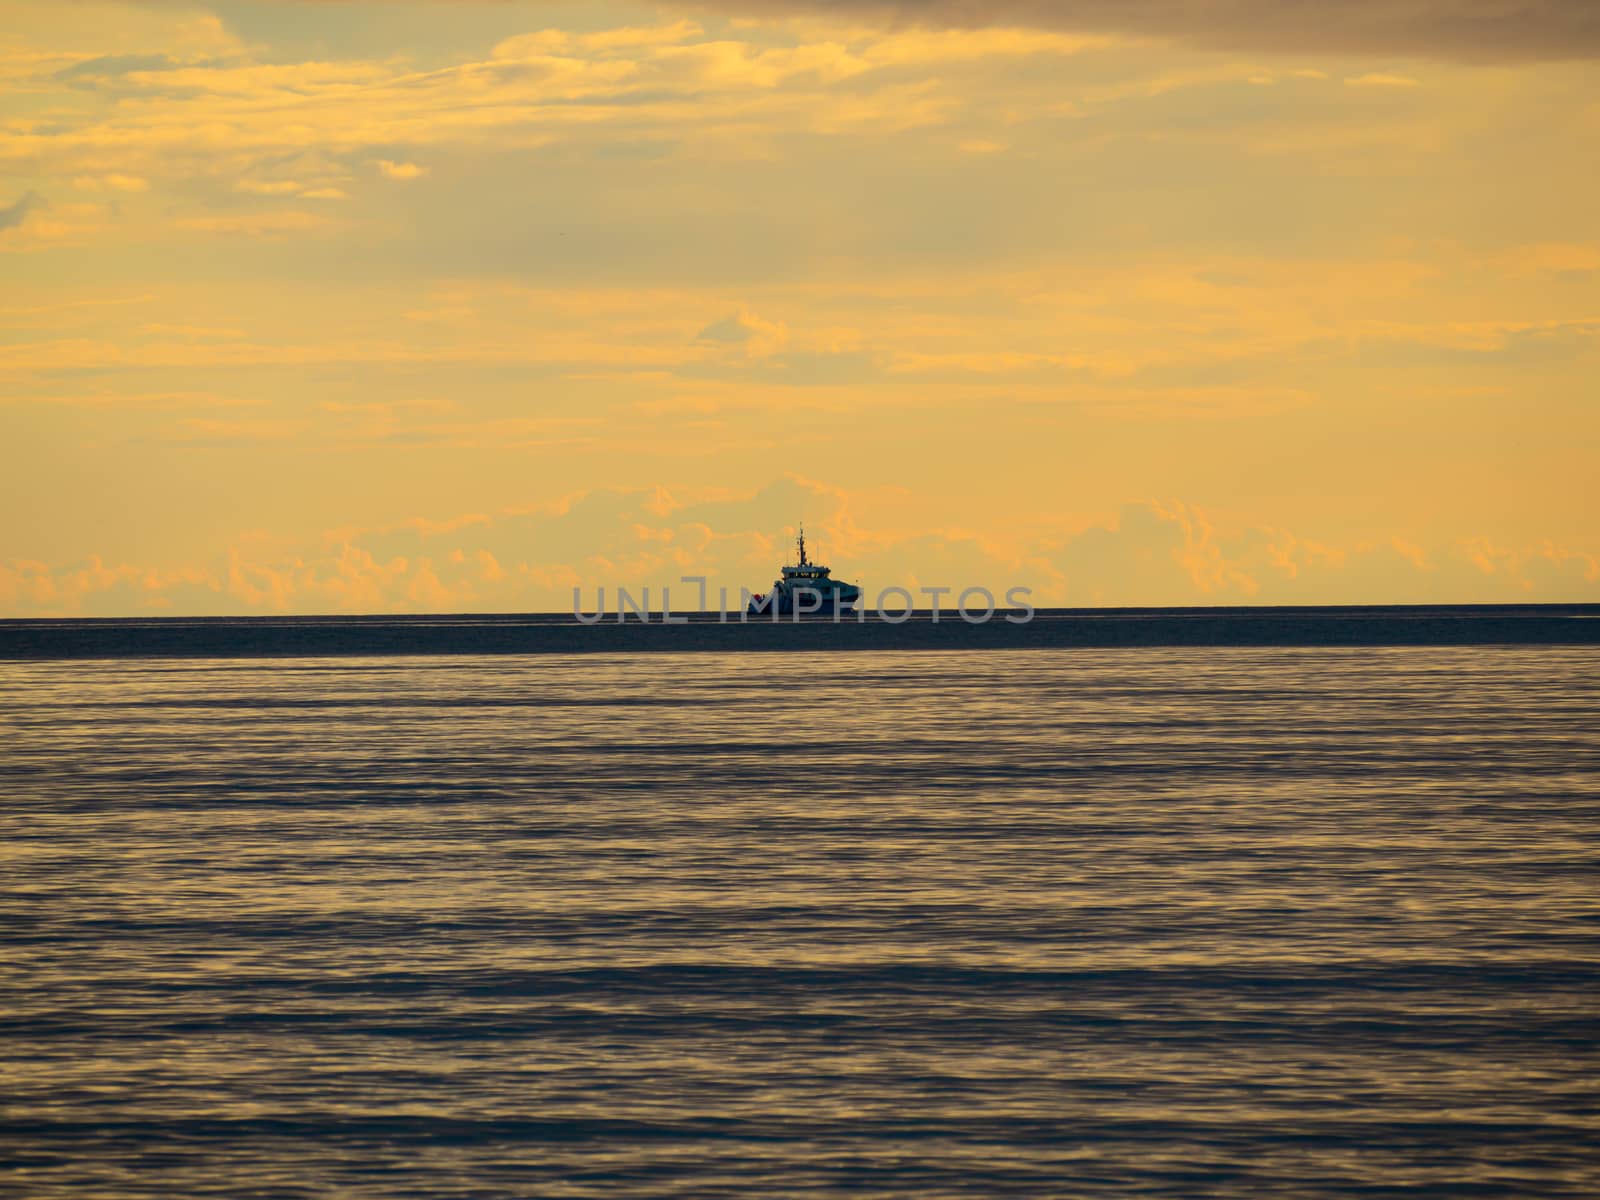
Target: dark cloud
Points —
{"points": [[17, 213], [1460, 30], [1464, 30]]}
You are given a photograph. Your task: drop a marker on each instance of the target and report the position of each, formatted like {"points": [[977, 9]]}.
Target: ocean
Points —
{"points": [[1155, 921]]}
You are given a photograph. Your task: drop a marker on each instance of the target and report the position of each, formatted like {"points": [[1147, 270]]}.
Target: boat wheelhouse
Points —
{"points": [[806, 587]]}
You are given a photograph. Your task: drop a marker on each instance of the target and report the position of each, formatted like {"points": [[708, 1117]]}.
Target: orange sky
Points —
{"points": [[452, 306]]}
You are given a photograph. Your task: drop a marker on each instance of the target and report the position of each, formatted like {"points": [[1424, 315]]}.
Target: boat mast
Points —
{"points": [[803, 561]]}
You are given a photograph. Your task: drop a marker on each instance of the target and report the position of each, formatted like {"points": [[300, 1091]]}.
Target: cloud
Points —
{"points": [[529, 559], [268, 187], [1149, 553], [111, 183], [1155, 553], [108, 66], [132, 401], [263, 224], [263, 121], [15, 214], [1463, 30], [758, 336], [163, 329], [1576, 261], [1380, 79], [208, 431], [551, 41], [1458, 30], [399, 170]]}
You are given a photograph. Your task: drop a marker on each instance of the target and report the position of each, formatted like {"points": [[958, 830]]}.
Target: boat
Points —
{"points": [[803, 585]]}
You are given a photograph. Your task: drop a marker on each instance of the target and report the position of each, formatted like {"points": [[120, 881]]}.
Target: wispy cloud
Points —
{"points": [[1381, 79]]}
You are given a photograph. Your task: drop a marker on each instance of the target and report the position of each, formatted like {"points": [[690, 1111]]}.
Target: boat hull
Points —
{"points": [[785, 606]]}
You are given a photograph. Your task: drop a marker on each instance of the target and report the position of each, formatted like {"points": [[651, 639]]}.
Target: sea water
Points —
{"points": [[1160, 922]]}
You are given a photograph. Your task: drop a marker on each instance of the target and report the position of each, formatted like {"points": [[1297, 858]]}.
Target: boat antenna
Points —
{"points": [[803, 561]]}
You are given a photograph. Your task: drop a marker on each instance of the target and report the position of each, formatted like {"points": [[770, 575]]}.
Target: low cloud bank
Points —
{"points": [[1148, 554]]}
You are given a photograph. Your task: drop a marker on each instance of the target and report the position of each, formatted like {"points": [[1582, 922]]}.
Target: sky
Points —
{"points": [[456, 306]]}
